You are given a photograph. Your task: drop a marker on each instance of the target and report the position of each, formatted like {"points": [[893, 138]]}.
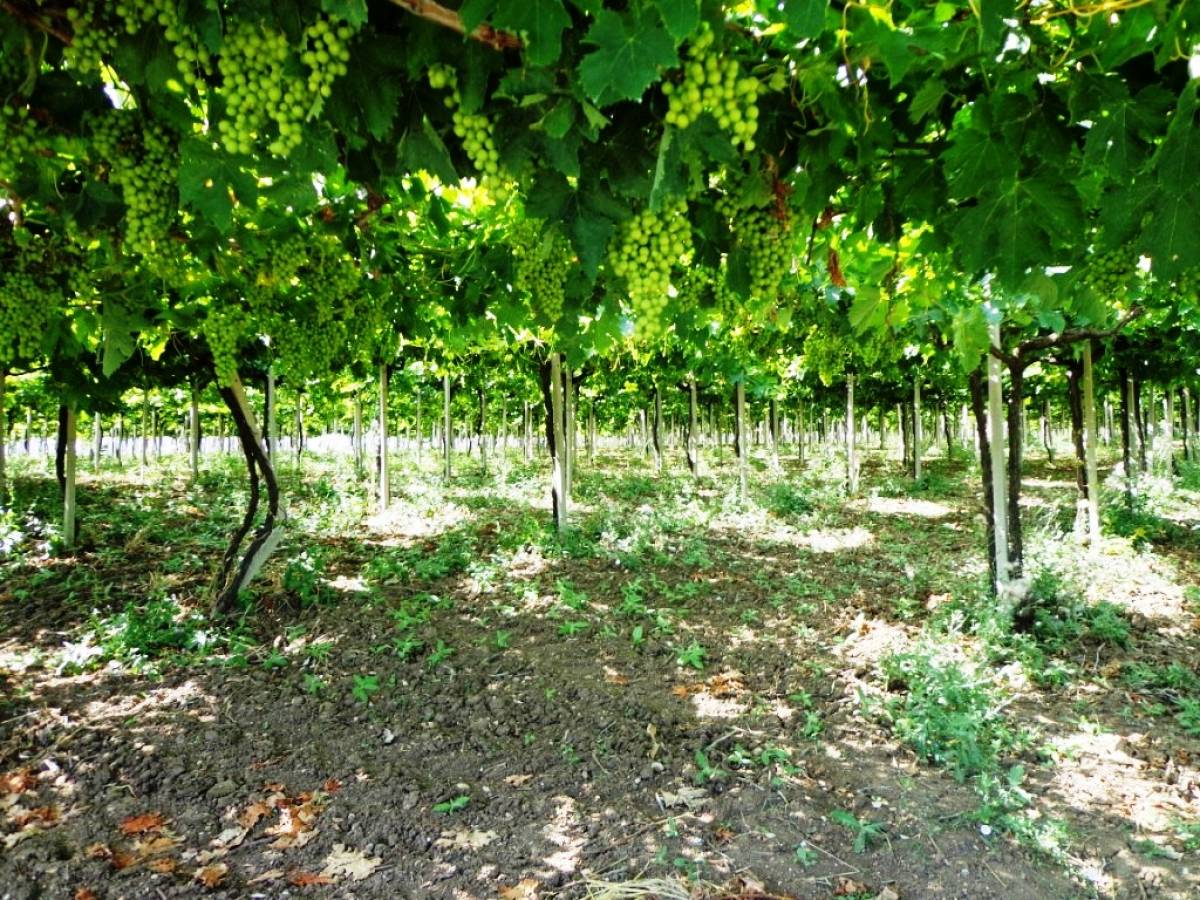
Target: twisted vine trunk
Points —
{"points": [[4, 441], [237, 568]]}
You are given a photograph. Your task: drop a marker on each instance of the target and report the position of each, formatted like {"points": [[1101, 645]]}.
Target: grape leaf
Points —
{"points": [[1174, 228], [474, 13], [975, 161], [539, 22], [209, 182], [869, 309], [805, 18], [629, 52], [680, 16], [353, 11], [926, 99]]}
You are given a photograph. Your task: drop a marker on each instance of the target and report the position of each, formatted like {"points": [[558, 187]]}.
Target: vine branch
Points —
{"points": [[434, 12], [1017, 359], [35, 21]]}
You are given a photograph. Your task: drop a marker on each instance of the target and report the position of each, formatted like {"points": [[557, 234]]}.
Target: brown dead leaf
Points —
{"points": [[155, 846], [724, 835], [295, 825], [517, 780], [847, 886], [525, 889], [332, 786], [250, 816], [39, 815], [616, 678], [140, 824], [683, 691], [98, 851], [305, 879], [274, 787], [122, 860], [84, 893], [269, 875], [17, 782], [230, 837], [164, 865], [725, 685], [212, 875], [353, 864]]}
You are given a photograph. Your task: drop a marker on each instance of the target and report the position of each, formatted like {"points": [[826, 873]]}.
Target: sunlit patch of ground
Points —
{"points": [[908, 506]]}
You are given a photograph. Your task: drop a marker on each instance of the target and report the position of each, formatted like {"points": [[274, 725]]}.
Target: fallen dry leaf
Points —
{"points": [[526, 889], [305, 879], [230, 837], [518, 780], [465, 840], [84, 893], [98, 851], [685, 796], [17, 782], [39, 815], [250, 816], [164, 865], [332, 786], [155, 845], [269, 875], [887, 894], [351, 863], [122, 860], [846, 887], [143, 823], [212, 875], [615, 678]]}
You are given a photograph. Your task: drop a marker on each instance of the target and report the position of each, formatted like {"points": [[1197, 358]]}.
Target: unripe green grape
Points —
{"points": [[716, 87]]}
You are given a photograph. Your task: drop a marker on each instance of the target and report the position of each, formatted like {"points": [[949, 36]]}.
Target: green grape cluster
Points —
{"points": [[1110, 273], [92, 41], [643, 254], [716, 86], [18, 137], [326, 54], [260, 92], [306, 296], [543, 262], [223, 328], [143, 160], [31, 296], [767, 240], [701, 286], [473, 129], [1187, 285]]}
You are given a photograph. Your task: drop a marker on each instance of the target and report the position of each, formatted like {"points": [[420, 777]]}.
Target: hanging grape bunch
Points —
{"points": [[543, 262], [27, 307], [473, 129], [764, 235], [18, 137], [305, 296], [1109, 274], [96, 26], [260, 92], [143, 161], [642, 255], [224, 327], [91, 42], [1187, 285], [716, 86]]}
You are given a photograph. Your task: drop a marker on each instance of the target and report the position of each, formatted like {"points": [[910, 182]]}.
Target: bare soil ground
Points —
{"points": [[591, 748]]}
